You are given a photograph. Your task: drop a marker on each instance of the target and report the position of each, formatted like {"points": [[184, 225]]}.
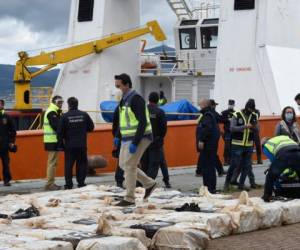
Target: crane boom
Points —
{"points": [[22, 75]]}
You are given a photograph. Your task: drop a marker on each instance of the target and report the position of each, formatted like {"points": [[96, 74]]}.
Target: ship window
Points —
{"points": [[244, 4], [188, 38], [211, 21], [188, 22], [209, 37], [85, 10], [26, 97]]}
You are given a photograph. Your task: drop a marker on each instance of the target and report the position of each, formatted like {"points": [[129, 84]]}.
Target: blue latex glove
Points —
{"points": [[116, 142], [132, 148]]}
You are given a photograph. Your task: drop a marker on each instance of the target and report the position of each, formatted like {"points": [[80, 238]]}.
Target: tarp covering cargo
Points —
{"points": [[107, 108], [182, 106]]}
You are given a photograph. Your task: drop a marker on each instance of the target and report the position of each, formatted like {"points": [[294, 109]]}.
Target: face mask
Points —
{"points": [[230, 106], [118, 95], [289, 116], [299, 107]]}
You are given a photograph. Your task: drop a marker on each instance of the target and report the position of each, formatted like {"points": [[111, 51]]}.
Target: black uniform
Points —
{"points": [[208, 132], [226, 116], [219, 165], [119, 173], [7, 136], [72, 133], [153, 157], [257, 140]]}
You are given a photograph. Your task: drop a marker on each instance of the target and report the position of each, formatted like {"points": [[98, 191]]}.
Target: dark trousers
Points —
{"points": [[238, 171], [119, 175], [152, 160], [208, 167], [227, 146], [164, 166], [78, 156], [240, 157], [4, 155], [198, 169], [291, 160], [218, 165], [257, 145]]}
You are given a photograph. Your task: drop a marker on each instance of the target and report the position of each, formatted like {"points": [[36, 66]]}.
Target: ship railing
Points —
{"points": [[38, 121], [40, 96], [181, 66], [99, 112], [206, 10]]}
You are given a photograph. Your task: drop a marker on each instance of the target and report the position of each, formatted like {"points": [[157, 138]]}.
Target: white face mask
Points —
{"points": [[118, 95], [230, 106], [299, 107]]}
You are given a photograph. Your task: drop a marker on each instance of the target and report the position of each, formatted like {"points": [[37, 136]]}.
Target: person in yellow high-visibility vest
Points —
{"points": [[135, 135], [51, 121], [242, 126], [284, 153]]}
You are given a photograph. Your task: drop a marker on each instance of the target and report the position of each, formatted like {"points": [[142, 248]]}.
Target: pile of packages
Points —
{"points": [[86, 218]]}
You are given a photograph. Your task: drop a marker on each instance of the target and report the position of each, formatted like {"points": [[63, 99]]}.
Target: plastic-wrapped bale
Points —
{"points": [[180, 237], [111, 243], [271, 214], [291, 212], [218, 224], [47, 245]]}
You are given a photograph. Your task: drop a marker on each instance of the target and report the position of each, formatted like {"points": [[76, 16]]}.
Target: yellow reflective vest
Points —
{"points": [[245, 137], [50, 135], [278, 142], [128, 121]]}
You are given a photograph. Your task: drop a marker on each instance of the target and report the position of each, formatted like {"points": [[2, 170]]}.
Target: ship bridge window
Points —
{"points": [[85, 10], [188, 22], [209, 37], [244, 4], [211, 21], [187, 38]]}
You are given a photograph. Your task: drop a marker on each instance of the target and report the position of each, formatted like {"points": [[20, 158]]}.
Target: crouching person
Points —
{"points": [[284, 170]]}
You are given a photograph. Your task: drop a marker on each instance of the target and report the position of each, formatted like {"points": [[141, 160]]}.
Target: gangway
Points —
{"points": [[181, 9]]}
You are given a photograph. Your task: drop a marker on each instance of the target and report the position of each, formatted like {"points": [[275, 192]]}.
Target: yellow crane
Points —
{"points": [[23, 76]]}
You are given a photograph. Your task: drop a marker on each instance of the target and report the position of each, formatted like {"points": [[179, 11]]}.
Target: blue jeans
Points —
{"points": [[240, 157]]}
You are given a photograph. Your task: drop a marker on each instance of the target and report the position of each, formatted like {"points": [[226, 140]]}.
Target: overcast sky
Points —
{"points": [[32, 24]]}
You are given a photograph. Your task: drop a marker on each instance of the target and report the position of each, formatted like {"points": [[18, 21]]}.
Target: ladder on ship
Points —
{"points": [[181, 9]]}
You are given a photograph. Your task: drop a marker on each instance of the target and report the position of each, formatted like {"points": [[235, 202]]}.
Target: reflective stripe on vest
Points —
{"points": [[128, 121], [162, 101], [199, 118], [246, 132], [278, 142], [50, 135]]}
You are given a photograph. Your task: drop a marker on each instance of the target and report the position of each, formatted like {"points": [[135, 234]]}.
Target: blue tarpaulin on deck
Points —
{"points": [[181, 106]]}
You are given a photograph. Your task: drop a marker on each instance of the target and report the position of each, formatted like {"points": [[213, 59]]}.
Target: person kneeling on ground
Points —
{"points": [[284, 155]]}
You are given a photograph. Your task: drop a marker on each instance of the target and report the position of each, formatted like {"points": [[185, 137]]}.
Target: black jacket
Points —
{"points": [[226, 115], [138, 107], [208, 130], [7, 131], [53, 119], [73, 128], [217, 115], [159, 125]]}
